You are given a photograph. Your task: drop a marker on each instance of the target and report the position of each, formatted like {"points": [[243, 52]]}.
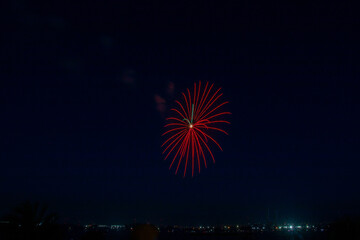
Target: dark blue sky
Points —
{"points": [[80, 130]]}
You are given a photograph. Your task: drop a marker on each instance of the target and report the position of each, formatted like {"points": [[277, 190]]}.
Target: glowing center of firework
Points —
{"points": [[192, 118]]}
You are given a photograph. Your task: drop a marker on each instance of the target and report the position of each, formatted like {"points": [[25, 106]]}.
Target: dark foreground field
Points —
{"points": [[244, 236], [229, 236]]}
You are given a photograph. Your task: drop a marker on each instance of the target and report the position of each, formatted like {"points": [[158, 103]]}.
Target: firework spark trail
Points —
{"points": [[190, 129]]}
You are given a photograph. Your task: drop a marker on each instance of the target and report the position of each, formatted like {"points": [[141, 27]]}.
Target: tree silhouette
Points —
{"points": [[345, 228], [32, 221]]}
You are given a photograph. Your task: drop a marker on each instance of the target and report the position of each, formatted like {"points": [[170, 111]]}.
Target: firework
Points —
{"points": [[188, 132]]}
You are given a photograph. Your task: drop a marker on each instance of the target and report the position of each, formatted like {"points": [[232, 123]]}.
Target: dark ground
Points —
{"points": [[242, 236]]}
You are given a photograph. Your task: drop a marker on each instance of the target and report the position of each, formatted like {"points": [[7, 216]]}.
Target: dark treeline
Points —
{"points": [[34, 221]]}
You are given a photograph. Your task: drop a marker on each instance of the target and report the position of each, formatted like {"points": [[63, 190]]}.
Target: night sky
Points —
{"points": [[81, 122]]}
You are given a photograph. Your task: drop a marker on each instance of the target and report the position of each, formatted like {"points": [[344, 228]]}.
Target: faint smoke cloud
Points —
{"points": [[128, 77], [165, 97], [170, 88], [160, 103]]}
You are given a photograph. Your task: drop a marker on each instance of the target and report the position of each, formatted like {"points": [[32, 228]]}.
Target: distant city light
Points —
{"points": [[290, 228]]}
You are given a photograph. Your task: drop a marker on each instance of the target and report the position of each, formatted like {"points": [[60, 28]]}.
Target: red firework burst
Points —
{"points": [[190, 129]]}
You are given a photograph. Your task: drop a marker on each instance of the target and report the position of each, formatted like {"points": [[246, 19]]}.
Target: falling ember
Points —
{"points": [[189, 134]]}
